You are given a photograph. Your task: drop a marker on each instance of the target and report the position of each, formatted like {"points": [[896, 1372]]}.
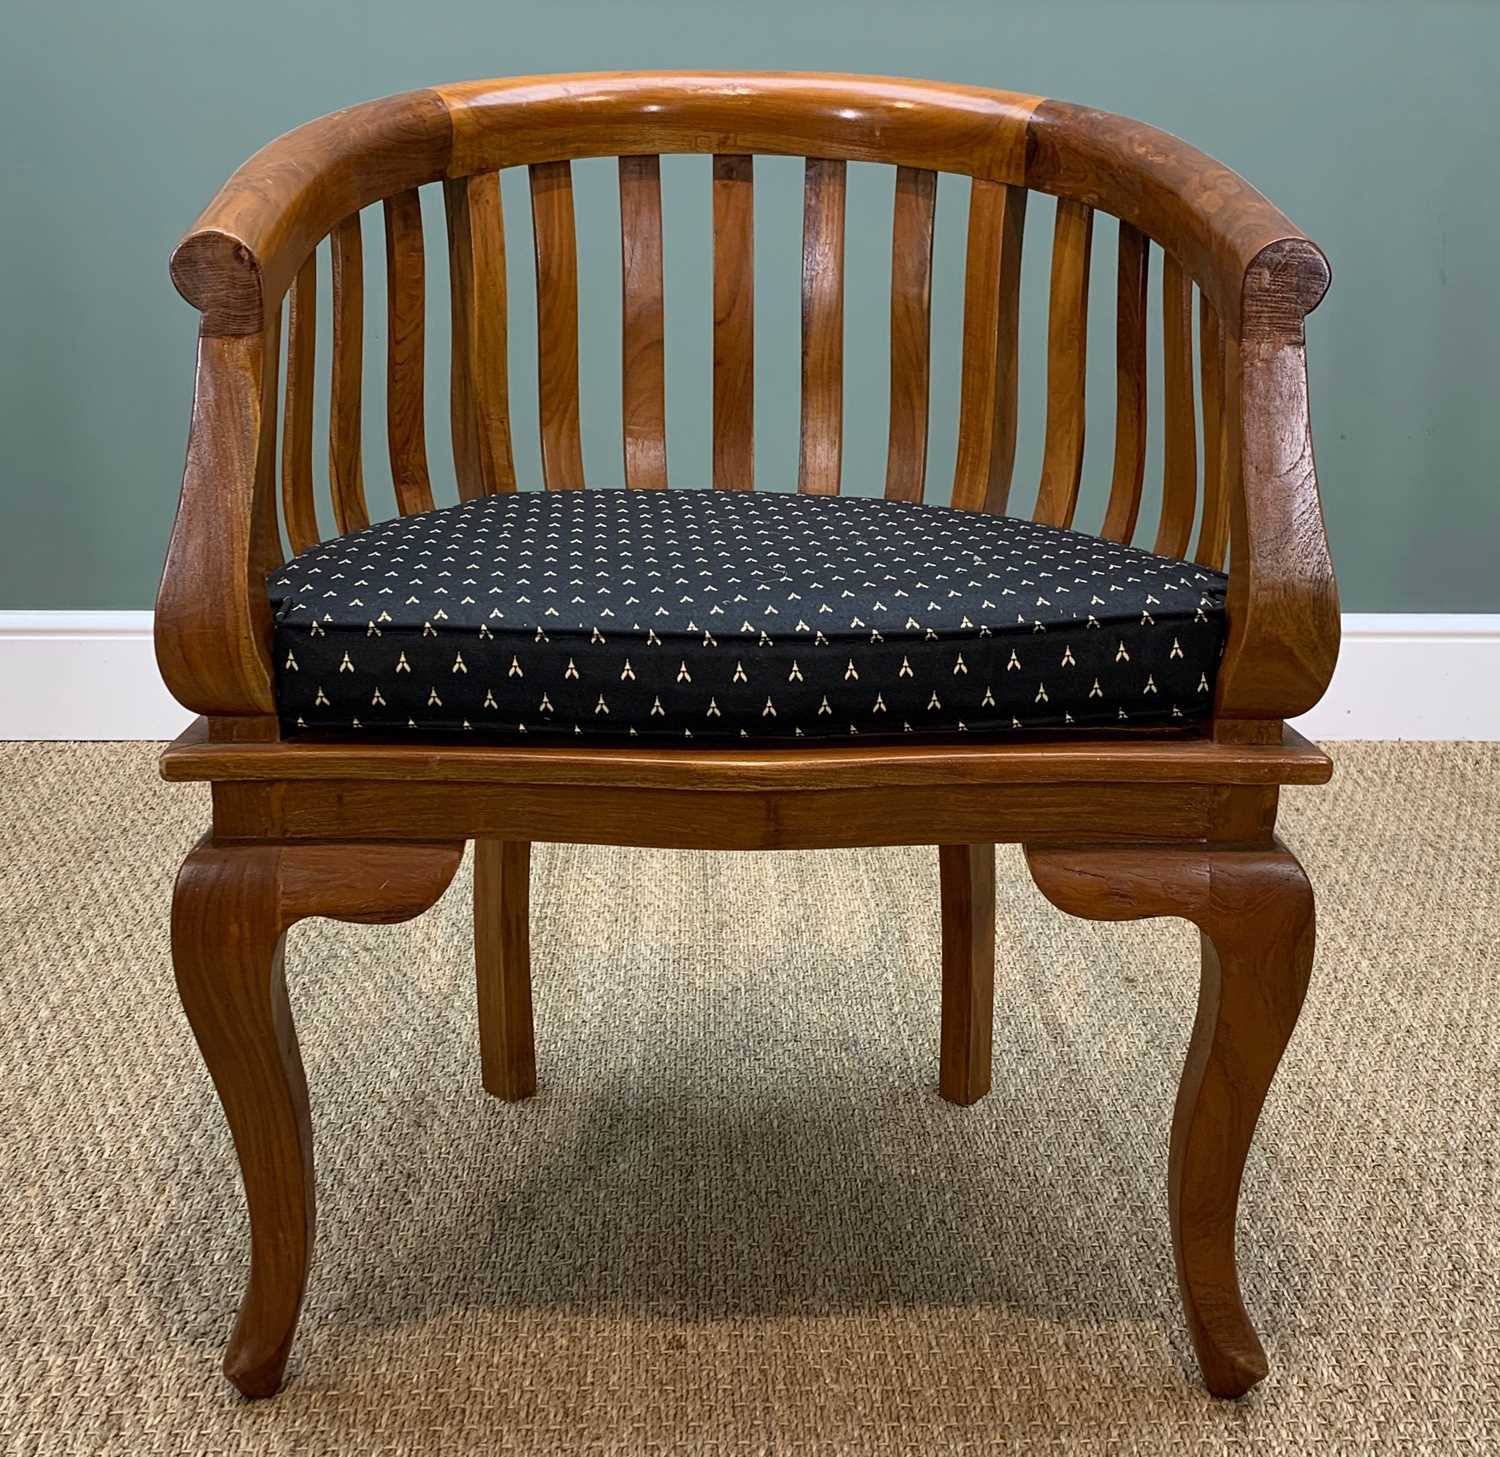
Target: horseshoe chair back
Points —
{"points": [[1225, 254]]}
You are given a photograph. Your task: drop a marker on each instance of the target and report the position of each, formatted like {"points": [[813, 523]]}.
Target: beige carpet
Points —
{"points": [[737, 1218]]}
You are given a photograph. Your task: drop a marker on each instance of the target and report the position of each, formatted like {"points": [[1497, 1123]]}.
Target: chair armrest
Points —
{"points": [[1263, 275], [213, 617], [1283, 604]]}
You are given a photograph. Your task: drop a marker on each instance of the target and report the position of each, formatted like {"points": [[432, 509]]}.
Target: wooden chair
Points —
{"points": [[1173, 819]]}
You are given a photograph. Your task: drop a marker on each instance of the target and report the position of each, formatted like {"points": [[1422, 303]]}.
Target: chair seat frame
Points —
{"points": [[1115, 825]]}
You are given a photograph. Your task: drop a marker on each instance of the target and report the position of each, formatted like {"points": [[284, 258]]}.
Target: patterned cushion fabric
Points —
{"points": [[703, 616]]}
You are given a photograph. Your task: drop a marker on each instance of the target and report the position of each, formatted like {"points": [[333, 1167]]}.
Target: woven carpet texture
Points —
{"points": [[737, 1218]]}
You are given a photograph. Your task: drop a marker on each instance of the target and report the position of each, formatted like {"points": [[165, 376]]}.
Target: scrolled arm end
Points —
{"points": [[221, 277], [1285, 281]]}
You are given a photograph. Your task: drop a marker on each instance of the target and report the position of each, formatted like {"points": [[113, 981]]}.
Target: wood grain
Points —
{"points": [[1132, 282], [1213, 529], [1179, 486], [479, 393], [689, 819], [965, 129], [241, 255], [1197, 210], [556, 241], [643, 354], [406, 351], [734, 323], [911, 332], [212, 624], [299, 510], [821, 460], [230, 913], [265, 553], [992, 311], [1283, 637], [346, 472], [966, 875], [1062, 758], [1067, 358], [249, 242], [502, 963], [1254, 908], [227, 947]]}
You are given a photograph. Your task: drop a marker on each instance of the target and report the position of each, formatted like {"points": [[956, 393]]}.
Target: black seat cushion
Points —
{"points": [[695, 615]]}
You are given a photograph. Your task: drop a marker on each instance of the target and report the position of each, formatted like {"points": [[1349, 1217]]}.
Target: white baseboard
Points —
{"points": [[92, 675], [1426, 675], [83, 675]]}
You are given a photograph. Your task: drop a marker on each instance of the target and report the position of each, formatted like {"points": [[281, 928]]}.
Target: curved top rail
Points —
{"points": [[242, 253], [945, 128]]}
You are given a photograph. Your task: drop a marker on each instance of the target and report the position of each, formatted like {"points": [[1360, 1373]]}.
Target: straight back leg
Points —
{"points": [[502, 965], [967, 877]]}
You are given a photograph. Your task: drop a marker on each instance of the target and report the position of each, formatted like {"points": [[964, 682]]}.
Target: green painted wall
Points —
{"points": [[1374, 125]]}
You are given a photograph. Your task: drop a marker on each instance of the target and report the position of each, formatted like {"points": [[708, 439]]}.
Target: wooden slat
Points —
{"points": [[734, 323], [1067, 363], [1213, 529], [479, 400], [1130, 386], [557, 324], [265, 537], [1180, 449], [297, 506], [643, 363], [992, 297], [346, 477], [822, 452], [911, 332], [406, 351]]}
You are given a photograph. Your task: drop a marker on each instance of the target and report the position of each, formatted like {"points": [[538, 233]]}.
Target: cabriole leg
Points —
{"points": [[1254, 909], [230, 913]]}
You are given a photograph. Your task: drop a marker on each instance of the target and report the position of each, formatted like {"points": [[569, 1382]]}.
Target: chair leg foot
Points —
{"points": [[967, 877], [502, 964], [1254, 910], [231, 910]]}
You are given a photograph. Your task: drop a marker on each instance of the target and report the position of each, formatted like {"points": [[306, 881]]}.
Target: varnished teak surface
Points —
{"points": [[1256, 273], [1082, 758], [230, 914], [1254, 908], [1116, 825]]}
